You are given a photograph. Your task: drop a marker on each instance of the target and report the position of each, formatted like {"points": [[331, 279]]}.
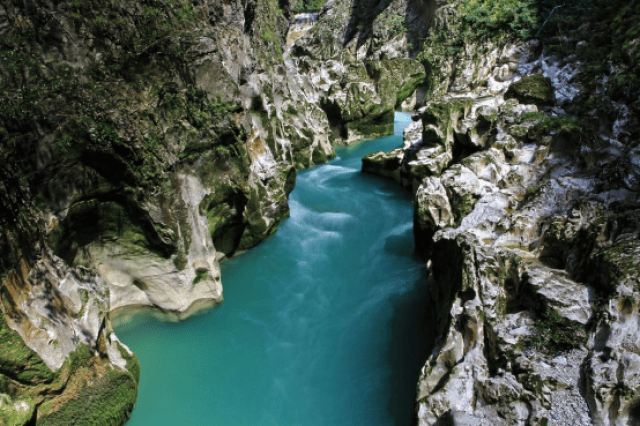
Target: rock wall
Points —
{"points": [[530, 237], [143, 142]]}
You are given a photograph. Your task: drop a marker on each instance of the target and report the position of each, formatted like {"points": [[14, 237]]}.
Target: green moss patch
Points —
{"points": [[101, 394], [534, 89], [201, 275], [133, 365], [19, 362], [300, 6], [373, 126], [10, 416], [487, 18], [105, 403]]}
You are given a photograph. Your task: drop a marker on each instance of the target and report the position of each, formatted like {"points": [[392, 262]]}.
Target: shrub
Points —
{"points": [[486, 17], [555, 333]]}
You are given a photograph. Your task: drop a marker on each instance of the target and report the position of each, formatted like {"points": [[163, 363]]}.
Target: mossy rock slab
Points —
{"points": [[105, 403], [385, 164], [534, 89], [19, 362], [370, 127], [16, 412]]}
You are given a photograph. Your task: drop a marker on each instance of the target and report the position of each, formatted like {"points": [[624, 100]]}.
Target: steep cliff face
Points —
{"points": [[142, 142], [524, 164], [157, 143]]}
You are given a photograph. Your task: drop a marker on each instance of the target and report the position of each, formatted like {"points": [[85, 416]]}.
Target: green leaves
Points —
{"points": [[555, 333], [484, 17]]}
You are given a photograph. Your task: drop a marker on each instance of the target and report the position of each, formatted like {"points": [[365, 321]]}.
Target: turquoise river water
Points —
{"points": [[326, 323]]}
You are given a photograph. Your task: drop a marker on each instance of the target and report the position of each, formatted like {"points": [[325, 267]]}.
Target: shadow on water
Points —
{"points": [[397, 244], [412, 332], [412, 337], [411, 323]]}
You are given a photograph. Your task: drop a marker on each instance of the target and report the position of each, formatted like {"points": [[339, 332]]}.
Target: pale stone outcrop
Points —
{"points": [[533, 253]]}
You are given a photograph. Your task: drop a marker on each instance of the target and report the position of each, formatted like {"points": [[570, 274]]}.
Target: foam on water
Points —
{"points": [[325, 323]]}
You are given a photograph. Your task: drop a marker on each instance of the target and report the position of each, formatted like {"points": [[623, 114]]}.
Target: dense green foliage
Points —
{"points": [[487, 18], [104, 399], [107, 402]]}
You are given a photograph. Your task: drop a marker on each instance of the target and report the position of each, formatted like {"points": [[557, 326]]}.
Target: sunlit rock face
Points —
{"points": [[299, 25], [530, 240]]}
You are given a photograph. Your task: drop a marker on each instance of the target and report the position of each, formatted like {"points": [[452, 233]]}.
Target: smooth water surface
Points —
{"points": [[324, 324]]}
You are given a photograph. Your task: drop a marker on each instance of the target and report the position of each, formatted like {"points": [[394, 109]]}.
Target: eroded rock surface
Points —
{"points": [[530, 238]]}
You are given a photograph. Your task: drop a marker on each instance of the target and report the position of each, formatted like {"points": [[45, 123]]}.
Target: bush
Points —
{"points": [[555, 333], [485, 18], [301, 6]]}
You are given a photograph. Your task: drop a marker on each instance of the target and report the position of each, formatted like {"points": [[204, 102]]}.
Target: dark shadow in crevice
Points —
{"points": [[634, 415], [363, 13]]}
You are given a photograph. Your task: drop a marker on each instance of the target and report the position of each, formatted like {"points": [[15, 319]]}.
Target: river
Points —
{"points": [[326, 323]]}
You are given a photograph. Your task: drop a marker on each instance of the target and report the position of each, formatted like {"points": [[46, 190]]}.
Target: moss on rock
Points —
{"points": [[16, 412], [534, 89], [107, 402], [19, 362]]}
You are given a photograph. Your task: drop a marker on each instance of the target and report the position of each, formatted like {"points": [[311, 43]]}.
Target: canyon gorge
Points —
{"points": [[145, 143]]}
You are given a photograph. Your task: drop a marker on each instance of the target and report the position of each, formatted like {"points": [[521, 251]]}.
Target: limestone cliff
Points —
{"points": [[524, 162], [144, 141]]}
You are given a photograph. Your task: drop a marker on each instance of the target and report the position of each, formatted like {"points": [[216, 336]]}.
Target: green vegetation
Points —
{"points": [[395, 24], [619, 263], [611, 29], [534, 89], [461, 206], [533, 190], [133, 365], [488, 18], [107, 402], [19, 362], [106, 395], [201, 274], [180, 261], [300, 6], [11, 417], [382, 125], [554, 333], [270, 29], [114, 107]]}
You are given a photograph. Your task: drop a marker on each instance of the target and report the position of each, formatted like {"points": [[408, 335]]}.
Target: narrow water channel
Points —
{"points": [[325, 323]]}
